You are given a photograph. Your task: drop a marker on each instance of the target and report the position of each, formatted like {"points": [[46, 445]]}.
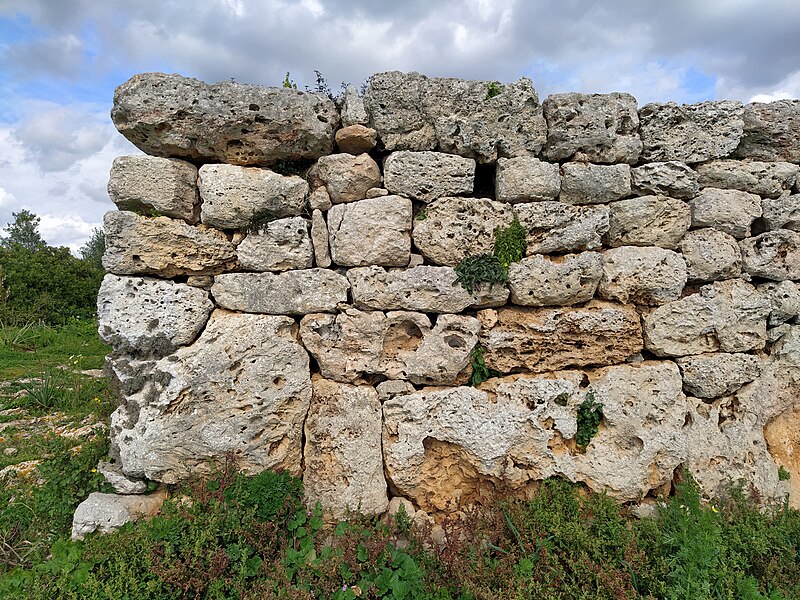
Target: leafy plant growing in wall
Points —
{"points": [[494, 88], [509, 247], [480, 372], [590, 413]]}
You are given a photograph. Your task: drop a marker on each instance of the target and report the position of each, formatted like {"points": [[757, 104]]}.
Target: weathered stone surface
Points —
{"points": [[320, 199], [585, 183], [784, 299], [148, 183], [781, 213], [108, 512], [783, 442], [647, 221], [117, 479], [548, 339], [637, 275], [233, 196], [346, 177], [558, 227], [289, 293], [423, 288], [391, 388], [718, 374], [428, 175], [601, 128], [772, 255], [319, 239], [144, 316], [353, 111], [278, 246], [730, 211], [726, 316], [356, 139], [771, 131], [525, 178], [711, 255], [342, 453], [541, 281], [243, 387], [371, 232], [767, 179], [163, 246], [412, 112], [377, 192], [360, 347], [457, 227], [174, 116], [691, 132], [671, 178]]}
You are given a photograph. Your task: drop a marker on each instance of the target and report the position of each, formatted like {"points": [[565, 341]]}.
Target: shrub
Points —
{"points": [[473, 271]]}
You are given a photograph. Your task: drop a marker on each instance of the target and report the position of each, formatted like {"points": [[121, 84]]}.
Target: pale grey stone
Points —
{"points": [[784, 299], [428, 175], [289, 293], [558, 227], [711, 255], [320, 199], [671, 178], [526, 178], [319, 240], [454, 228], [106, 513], [164, 247], [346, 177], [377, 192], [422, 288], [233, 196], [691, 132], [279, 245], [371, 232], [647, 221], [166, 186], [353, 111], [771, 131], [600, 128], [585, 183], [150, 317], [389, 389], [117, 479], [175, 116], [541, 281], [356, 139], [782, 212], [772, 255], [648, 275], [718, 374], [445, 354], [729, 211], [416, 260], [767, 179], [726, 316]]}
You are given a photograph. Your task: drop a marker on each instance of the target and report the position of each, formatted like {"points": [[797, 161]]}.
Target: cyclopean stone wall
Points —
{"points": [[334, 341]]}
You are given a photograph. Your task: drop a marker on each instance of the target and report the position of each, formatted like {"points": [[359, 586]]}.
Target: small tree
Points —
{"points": [[24, 232], [92, 251]]}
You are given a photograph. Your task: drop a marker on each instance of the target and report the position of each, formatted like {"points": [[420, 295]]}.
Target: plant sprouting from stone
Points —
{"points": [[510, 243], [260, 220], [422, 214], [783, 474], [288, 83], [480, 372], [473, 271], [494, 88], [590, 413]]}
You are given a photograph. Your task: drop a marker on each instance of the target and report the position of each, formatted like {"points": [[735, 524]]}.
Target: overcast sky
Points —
{"points": [[60, 61]]}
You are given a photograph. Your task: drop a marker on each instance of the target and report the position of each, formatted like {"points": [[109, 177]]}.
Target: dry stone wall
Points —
{"points": [[314, 322]]}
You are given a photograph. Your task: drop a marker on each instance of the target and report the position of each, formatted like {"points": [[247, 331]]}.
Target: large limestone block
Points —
{"points": [[174, 116], [585, 183], [637, 275], [144, 316], [782, 212], [772, 255], [726, 316], [454, 228], [289, 293], [729, 211], [167, 186], [164, 247], [561, 281], [711, 255], [413, 112], [671, 178], [423, 288], [771, 131], [767, 179], [647, 221], [320, 239], [108, 512], [428, 175], [242, 387], [278, 246], [345, 177], [371, 232], [526, 178], [717, 374], [342, 453], [353, 111], [233, 196], [784, 299], [600, 128], [557, 227], [365, 347], [691, 132], [547, 339], [356, 139]]}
